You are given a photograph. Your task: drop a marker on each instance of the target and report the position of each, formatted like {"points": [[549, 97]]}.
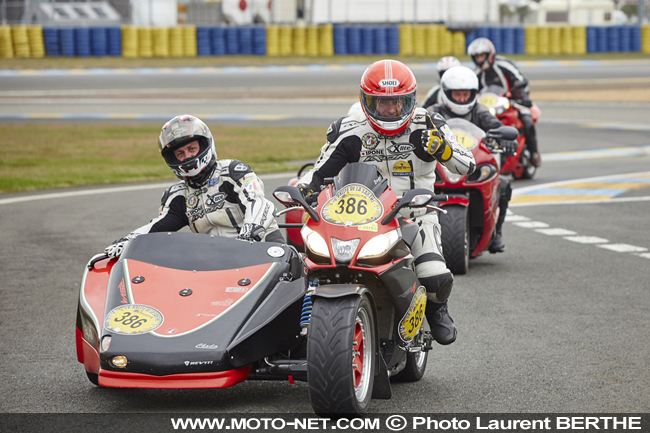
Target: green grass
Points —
{"points": [[43, 156], [217, 61]]}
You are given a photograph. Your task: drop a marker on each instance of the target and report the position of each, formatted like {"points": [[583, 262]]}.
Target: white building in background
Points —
{"points": [[401, 11], [577, 13]]}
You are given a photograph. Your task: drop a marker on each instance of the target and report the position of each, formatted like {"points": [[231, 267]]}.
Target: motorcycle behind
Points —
{"points": [[472, 210], [364, 310], [496, 98]]}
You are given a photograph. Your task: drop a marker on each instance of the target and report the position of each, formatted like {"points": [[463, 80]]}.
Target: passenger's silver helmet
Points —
{"points": [[180, 131]]}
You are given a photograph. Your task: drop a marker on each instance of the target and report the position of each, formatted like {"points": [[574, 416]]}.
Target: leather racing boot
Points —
{"points": [[442, 325], [497, 245]]}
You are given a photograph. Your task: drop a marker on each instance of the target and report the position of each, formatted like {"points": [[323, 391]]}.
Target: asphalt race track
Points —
{"points": [[558, 323]]}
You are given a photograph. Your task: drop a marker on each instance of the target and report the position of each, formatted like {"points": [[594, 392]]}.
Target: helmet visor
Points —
{"points": [[391, 108]]}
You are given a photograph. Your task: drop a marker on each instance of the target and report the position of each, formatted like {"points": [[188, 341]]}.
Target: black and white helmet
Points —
{"points": [[482, 46], [459, 78], [180, 131], [446, 63]]}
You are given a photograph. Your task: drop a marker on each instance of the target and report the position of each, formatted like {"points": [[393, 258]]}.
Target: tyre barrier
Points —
{"points": [[323, 40]]}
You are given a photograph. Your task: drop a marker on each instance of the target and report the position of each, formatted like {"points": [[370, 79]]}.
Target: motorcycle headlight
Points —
{"points": [[344, 250], [482, 172], [314, 242], [379, 245]]}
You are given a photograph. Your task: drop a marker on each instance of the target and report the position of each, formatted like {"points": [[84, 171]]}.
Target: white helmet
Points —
{"points": [[459, 78], [355, 109], [180, 131], [446, 63]]}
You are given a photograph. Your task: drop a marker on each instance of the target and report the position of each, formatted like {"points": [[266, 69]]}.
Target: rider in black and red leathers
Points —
{"points": [[459, 88], [493, 69], [405, 143]]}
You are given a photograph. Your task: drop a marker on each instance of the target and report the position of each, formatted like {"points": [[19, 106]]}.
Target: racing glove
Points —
{"points": [[308, 193], [251, 232], [117, 247], [436, 144]]}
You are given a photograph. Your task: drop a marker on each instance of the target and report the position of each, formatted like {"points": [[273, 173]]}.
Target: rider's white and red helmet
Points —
{"points": [[446, 63], [388, 80], [482, 46]]}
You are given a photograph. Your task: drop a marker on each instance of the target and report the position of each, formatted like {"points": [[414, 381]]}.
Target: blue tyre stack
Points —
{"points": [[82, 41], [625, 38], [392, 40], [520, 40], [635, 39], [496, 36], [114, 45], [614, 39], [354, 39], [259, 40], [602, 45], [99, 41], [592, 39], [508, 40], [218, 36], [232, 40], [66, 39], [380, 37], [367, 40], [203, 41], [483, 32], [51, 41], [246, 40], [339, 39]]}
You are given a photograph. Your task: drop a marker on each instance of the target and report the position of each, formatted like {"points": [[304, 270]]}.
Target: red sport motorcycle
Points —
{"points": [[497, 99], [364, 308], [472, 210]]}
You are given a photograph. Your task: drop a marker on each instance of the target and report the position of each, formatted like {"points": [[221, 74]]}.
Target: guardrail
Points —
{"points": [[323, 40]]}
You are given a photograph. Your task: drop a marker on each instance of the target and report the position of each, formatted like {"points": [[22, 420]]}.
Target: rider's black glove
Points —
{"points": [[509, 147], [308, 193], [251, 232]]}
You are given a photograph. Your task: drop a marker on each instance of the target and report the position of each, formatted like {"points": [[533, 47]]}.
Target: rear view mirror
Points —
{"points": [[285, 198], [503, 133], [420, 200]]}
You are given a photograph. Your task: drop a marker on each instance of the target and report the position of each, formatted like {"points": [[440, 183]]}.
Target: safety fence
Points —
{"points": [[322, 40]]}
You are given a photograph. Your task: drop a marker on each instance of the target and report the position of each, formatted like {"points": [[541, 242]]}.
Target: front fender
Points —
{"points": [[456, 199], [340, 290]]}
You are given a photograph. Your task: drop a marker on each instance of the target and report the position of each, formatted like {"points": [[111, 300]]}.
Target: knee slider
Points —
{"points": [[438, 286]]}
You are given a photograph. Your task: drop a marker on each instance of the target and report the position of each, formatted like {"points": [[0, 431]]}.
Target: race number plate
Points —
{"points": [[133, 319], [464, 139], [414, 317], [353, 205], [488, 99]]}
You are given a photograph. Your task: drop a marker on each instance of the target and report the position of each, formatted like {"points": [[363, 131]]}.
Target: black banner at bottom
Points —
{"points": [[309, 422]]}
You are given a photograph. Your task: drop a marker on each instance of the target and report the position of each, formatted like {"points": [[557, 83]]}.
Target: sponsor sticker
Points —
{"points": [[402, 168], [389, 82], [192, 201], [241, 167], [372, 227], [236, 289], [133, 319], [369, 140]]}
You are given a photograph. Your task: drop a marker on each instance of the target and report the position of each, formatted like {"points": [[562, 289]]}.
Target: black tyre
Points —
{"points": [[93, 377], [341, 355], [455, 238], [529, 169]]}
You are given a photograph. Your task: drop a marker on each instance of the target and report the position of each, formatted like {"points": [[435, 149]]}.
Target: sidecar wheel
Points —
{"points": [[416, 365], [455, 238], [93, 377], [341, 355]]}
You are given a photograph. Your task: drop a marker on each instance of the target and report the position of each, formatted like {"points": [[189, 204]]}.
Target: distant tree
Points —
{"points": [[630, 10], [522, 12]]}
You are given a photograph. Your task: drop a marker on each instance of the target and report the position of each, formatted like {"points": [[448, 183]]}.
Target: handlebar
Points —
{"points": [[99, 258]]}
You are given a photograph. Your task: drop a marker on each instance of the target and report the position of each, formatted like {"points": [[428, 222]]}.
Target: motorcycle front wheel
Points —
{"points": [[341, 355], [455, 238]]}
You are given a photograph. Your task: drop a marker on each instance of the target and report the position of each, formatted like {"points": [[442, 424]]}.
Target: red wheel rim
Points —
{"points": [[357, 354]]}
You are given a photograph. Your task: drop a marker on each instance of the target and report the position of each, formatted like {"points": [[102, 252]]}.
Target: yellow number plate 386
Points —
{"points": [[414, 317], [352, 205], [133, 319]]}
